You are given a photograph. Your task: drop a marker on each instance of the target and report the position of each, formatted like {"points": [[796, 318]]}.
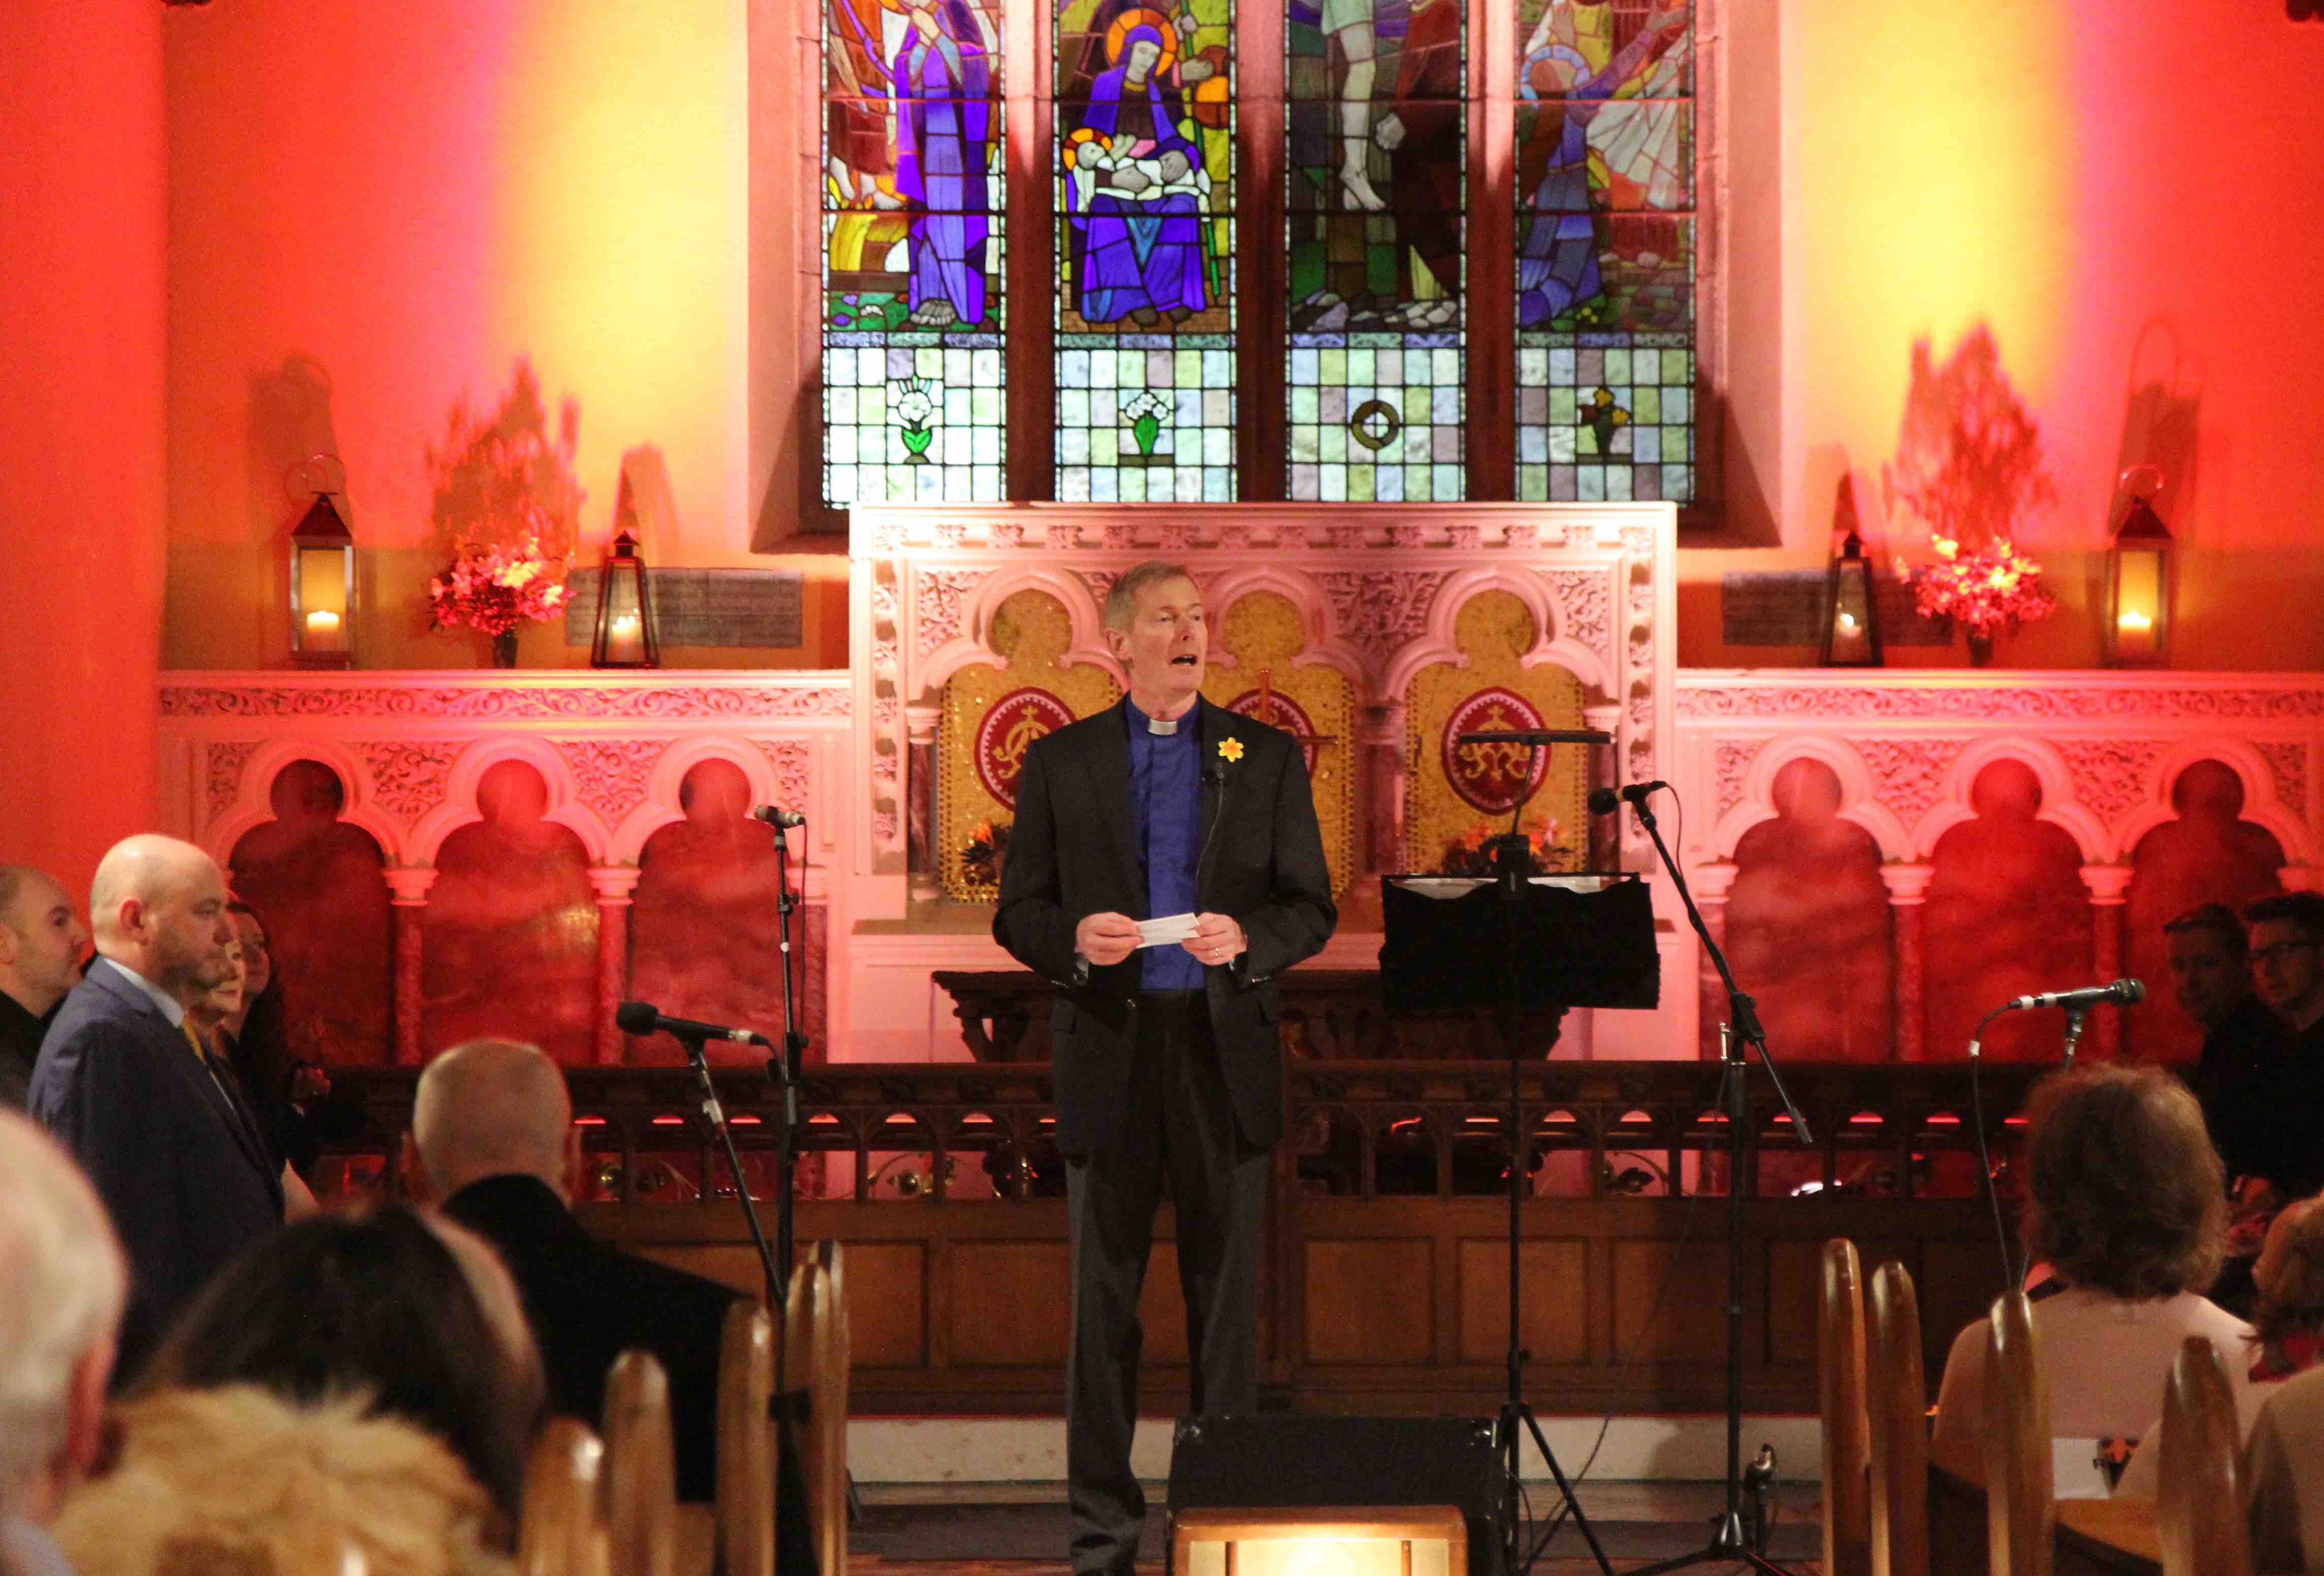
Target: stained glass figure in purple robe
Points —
{"points": [[1140, 194], [942, 83]]}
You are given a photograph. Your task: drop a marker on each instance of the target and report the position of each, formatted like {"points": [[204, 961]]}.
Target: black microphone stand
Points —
{"points": [[784, 1067], [1742, 1031], [1512, 857]]}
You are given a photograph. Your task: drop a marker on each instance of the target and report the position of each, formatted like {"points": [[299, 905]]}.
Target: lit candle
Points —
{"points": [[2133, 633], [322, 630], [624, 639]]}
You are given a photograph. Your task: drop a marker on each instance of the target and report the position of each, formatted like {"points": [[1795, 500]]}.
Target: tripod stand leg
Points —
{"points": [[1522, 1412]]}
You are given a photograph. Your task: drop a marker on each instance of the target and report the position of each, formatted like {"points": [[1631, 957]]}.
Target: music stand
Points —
{"points": [[1516, 941]]}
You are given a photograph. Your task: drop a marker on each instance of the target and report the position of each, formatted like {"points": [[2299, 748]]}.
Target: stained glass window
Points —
{"points": [[1605, 233], [913, 217], [1145, 315], [1377, 181]]}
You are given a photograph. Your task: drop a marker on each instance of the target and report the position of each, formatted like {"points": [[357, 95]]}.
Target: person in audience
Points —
{"points": [[357, 1381], [2237, 1081], [2127, 1202], [492, 1142], [2283, 1477], [41, 940], [62, 1284], [2289, 1278], [127, 1085], [2286, 932], [207, 1015], [292, 1097]]}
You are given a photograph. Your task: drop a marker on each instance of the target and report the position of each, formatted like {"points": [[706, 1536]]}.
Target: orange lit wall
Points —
{"points": [[376, 209], [82, 431], [2131, 194]]}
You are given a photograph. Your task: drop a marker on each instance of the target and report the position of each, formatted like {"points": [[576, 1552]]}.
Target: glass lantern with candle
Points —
{"points": [[625, 635], [2138, 583], [1851, 627], [322, 587]]}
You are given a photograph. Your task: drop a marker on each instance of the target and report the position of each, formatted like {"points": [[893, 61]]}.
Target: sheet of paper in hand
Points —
{"points": [[1166, 932]]}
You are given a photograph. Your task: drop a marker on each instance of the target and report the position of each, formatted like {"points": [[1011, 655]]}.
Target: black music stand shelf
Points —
{"points": [[1513, 942]]}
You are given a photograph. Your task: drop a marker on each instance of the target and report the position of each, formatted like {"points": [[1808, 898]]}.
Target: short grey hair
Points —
{"points": [[62, 1284], [1122, 600]]}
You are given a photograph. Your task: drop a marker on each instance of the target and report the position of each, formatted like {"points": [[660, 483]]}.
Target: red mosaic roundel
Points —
{"points": [[1492, 778], [1007, 731], [1281, 711]]}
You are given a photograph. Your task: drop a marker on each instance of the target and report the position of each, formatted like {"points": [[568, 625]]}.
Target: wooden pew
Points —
{"points": [[2021, 1506], [1840, 1390], [563, 1530], [1896, 1414], [640, 1474], [816, 1359], [746, 1443], [2201, 1516]]}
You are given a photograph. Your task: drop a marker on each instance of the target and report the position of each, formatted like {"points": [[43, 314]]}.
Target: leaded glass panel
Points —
{"points": [[913, 219], [1144, 192], [1376, 115], [1605, 233]]}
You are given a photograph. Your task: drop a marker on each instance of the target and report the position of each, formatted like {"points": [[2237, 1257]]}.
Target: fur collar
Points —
{"points": [[239, 1482]]}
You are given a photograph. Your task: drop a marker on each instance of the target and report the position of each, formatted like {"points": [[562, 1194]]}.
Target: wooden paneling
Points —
{"points": [[1688, 1330], [1162, 1309], [1011, 1303], [887, 1292], [1368, 1301], [1553, 1308], [1790, 1310]]}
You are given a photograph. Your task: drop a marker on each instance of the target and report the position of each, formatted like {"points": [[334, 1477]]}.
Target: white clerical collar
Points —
{"points": [[1161, 726]]}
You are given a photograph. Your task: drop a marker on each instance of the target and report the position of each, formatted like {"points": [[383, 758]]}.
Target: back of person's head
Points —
{"points": [[379, 1304], [490, 1107], [2290, 1272], [2123, 1192], [62, 1284]]}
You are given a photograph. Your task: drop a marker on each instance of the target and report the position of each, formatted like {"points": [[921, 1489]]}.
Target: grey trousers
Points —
{"points": [[1177, 1126]]}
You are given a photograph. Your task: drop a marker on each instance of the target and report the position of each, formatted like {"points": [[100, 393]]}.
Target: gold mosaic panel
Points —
{"points": [[1033, 631], [1265, 631], [1494, 630]]}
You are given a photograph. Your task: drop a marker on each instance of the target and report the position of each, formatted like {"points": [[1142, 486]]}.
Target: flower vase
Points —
{"points": [[1981, 649], [504, 649]]}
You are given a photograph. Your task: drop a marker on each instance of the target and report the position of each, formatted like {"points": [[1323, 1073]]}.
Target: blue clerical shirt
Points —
{"points": [[1166, 801]]}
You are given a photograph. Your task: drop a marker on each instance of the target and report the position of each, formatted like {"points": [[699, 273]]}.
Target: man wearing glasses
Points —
{"points": [[2286, 935], [2287, 961]]}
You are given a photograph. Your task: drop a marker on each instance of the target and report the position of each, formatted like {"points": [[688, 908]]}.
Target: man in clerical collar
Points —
{"points": [[42, 940], [1165, 866]]}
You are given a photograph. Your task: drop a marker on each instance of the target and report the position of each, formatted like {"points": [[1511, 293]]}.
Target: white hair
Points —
{"points": [[62, 1284]]}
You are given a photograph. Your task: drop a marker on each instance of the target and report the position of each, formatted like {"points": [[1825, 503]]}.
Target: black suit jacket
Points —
{"points": [[182, 1169], [588, 1304], [1073, 852], [20, 1046]]}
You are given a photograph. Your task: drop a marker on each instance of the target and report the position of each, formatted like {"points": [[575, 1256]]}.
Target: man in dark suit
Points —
{"points": [[160, 1128], [41, 940], [492, 1142], [1167, 1061]]}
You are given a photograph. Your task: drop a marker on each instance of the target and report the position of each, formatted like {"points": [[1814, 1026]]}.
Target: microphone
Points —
{"points": [[1214, 775], [2124, 992], [1538, 735], [1602, 801], [776, 817], [642, 1017]]}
